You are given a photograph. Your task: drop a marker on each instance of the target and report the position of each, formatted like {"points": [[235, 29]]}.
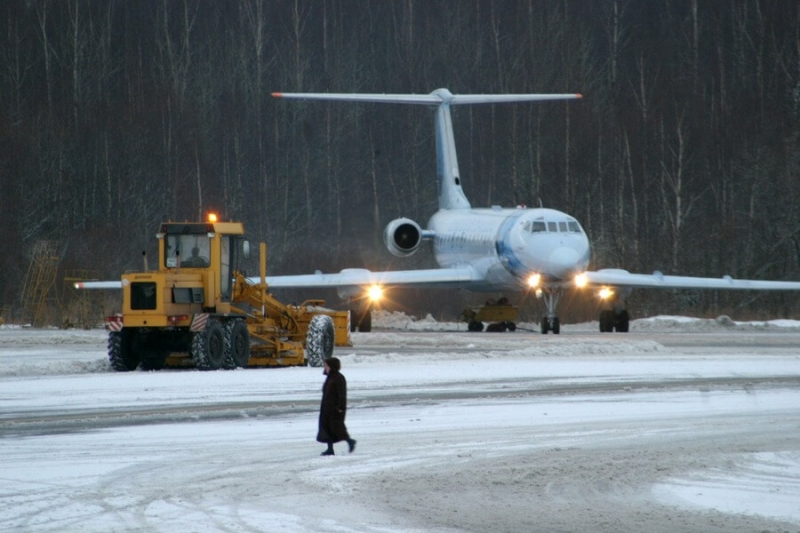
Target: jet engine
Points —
{"points": [[402, 236]]}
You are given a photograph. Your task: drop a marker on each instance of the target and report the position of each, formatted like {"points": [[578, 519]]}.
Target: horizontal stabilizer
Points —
{"points": [[451, 195], [437, 97]]}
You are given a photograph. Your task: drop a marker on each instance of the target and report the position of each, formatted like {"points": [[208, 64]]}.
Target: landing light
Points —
{"points": [[375, 293], [605, 293], [534, 279], [581, 281]]}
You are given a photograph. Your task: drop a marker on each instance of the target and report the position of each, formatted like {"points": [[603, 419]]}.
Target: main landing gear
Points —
{"points": [[614, 317], [361, 317], [614, 320]]}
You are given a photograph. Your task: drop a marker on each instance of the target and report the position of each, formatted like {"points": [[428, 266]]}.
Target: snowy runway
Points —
{"points": [[674, 427]]}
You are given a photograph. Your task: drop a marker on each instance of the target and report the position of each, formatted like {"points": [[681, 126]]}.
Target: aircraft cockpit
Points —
{"points": [[540, 225]]}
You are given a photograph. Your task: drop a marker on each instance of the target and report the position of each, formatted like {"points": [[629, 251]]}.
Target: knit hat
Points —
{"points": [[333, 363]]}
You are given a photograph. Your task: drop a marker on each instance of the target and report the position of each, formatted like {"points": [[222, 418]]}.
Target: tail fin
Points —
{"points": [[451, 195]]}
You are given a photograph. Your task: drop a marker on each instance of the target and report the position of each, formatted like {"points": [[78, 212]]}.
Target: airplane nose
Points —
{"points": [[563, 262]]}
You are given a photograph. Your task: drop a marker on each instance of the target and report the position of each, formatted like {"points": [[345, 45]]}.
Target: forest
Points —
{"points": [[682, 156]]}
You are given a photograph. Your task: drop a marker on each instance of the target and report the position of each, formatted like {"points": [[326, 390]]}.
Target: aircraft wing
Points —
{"points": [[657, 280], [350, 277], [464, 277], [361, 277]]}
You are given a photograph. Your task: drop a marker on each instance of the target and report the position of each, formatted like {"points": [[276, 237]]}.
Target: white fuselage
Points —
{"points": [[507, 246]]}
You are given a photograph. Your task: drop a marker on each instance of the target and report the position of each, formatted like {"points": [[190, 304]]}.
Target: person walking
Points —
{"points": [[333, 408]]}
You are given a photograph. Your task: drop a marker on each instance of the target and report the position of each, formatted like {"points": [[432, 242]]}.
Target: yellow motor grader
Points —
{"points": [[198, 309]]}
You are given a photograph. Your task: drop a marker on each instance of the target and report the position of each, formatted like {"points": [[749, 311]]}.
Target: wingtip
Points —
{"points": [[578, 95], [277, 95]]}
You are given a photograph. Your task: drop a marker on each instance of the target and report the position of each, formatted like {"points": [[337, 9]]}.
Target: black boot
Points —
{"points": [[329, 451], [351, 445]]}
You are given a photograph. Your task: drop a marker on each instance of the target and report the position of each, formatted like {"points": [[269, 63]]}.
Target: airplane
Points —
{"points": [[491, 249], [497, 249]]}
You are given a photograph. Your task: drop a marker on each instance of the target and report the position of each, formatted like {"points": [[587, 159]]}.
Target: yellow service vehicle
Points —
{"points": [[500, 314], [198, 309]]}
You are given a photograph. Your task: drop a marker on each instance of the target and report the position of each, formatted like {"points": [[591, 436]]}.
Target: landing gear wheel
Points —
{"points": [[361, 320], [475, 326], [237, 344], [622, 321], [611, 321], [120, 351], [606, 321], [208, 346], [365, 326], [319, 340], [551, 324], [511, 326]]}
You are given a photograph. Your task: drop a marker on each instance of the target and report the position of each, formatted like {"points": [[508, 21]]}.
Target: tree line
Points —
{"points": [[683, 156]]}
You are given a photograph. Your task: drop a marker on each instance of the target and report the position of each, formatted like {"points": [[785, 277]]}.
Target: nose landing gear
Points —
{"points": [[550, 321]]}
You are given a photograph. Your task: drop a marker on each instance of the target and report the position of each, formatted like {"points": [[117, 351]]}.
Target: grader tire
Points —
{"points": [[319, 340], [208, 346], [237, 344], [120, 351], [475, 325]]}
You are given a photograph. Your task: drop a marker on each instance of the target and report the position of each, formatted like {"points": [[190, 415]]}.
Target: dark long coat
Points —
{"points": [[333, 408]]}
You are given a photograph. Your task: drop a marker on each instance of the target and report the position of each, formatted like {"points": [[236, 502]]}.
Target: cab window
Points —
{"points": [[190, 250]]}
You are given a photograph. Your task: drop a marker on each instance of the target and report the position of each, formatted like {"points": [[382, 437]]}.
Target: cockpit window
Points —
{"points": [[540, 226]]}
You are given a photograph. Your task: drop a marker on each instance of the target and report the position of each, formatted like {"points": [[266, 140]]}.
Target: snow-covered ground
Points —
{"points": [[680, 425]]}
